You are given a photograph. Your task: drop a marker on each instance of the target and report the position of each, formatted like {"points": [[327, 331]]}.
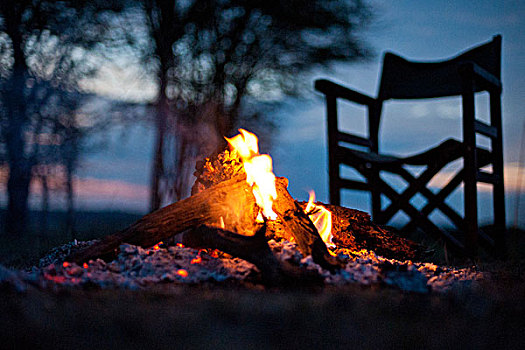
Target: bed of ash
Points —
{"points": [[139, 268]]}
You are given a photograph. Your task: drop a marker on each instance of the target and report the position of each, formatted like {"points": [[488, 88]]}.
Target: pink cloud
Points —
{"points": [[110, 189]]}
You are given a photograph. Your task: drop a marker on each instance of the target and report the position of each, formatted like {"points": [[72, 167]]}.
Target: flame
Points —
{"points": [[85, 265], [321, 217], [258, 168], [65, 264], [196, 260]]}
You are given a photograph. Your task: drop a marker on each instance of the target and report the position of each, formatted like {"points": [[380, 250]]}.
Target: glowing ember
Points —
{"points": [[321, 217], [180, 245], [258, 168], [196, 260], [65, 264], [182, 273], [85, 265]]}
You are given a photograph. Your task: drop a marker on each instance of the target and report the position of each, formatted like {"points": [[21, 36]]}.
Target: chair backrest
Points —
{"points": [[403, 79]]}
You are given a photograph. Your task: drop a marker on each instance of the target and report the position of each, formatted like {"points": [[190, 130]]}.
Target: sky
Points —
{"points": [[117, 177], [421, 31]]}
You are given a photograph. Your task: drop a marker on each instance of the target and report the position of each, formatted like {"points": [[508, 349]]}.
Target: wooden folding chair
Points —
{"points": [[473, 71]]}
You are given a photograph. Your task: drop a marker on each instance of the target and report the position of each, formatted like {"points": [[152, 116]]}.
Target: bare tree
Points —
{"points": [[44, 54], [216, 59]]}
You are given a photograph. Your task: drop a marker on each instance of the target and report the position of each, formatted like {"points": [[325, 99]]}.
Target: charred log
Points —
{"points": [[254, 249], [216, 169], [354, 230]]}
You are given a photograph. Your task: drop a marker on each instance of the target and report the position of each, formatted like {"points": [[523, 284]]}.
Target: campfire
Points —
{"points": [[236, 206], [241, 223]]}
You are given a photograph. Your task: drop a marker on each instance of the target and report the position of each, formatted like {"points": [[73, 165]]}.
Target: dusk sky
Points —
{"points": [[117, 177]]}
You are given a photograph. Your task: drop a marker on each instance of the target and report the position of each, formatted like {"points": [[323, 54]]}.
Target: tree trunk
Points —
{"points": [[18, 192], [14, 101], [157, 169], [44, 210], [70, 218]]}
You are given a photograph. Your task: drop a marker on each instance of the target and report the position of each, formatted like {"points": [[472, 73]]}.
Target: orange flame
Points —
{"points": [[258, 168], [196, 260], [321, 217]]}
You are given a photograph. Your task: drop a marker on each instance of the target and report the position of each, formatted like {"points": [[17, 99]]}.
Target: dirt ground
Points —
{"points": [[221, 317]]}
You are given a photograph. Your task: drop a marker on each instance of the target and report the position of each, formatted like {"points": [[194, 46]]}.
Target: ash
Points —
{"points": [[139, 268]]}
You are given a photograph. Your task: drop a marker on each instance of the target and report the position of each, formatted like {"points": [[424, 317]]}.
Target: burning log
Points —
{"points": [[206, 207], [301, 228]]}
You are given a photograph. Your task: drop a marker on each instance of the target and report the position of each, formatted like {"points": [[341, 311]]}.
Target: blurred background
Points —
{"points": [[106, 105]]}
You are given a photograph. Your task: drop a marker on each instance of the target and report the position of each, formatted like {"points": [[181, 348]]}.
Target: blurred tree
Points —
{"points": [[212, 57], [44, 49]]}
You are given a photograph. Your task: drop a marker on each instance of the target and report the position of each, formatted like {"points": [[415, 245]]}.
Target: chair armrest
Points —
{"points": [[481, 76], [332, 89]]}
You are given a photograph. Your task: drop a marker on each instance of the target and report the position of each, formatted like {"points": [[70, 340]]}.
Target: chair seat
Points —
{"points": [[446, 152]]}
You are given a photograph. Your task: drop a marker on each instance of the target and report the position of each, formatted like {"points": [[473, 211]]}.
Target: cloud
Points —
{"points": [[94, 194], [510, 173], [110, 189]]}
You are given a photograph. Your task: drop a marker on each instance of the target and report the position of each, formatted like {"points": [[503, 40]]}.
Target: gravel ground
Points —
{"points": [[139, 268]]}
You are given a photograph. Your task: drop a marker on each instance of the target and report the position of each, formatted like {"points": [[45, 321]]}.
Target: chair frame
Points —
{"points": [[472, 78]]}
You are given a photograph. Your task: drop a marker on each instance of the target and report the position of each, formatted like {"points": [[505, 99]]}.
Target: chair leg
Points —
{"points": [[471, 214], [469, 164], [375, 196], [499, 218], [499, 189], [333, 164], [335, 191]]}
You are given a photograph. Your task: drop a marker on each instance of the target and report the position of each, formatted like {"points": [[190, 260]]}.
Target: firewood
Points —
{"points": [[231, 200], [231, 203], [254, 249], [299, 225], [354, 230]]}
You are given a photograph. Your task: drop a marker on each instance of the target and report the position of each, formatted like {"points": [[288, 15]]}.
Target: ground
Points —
{"points": [[228, 317]]}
